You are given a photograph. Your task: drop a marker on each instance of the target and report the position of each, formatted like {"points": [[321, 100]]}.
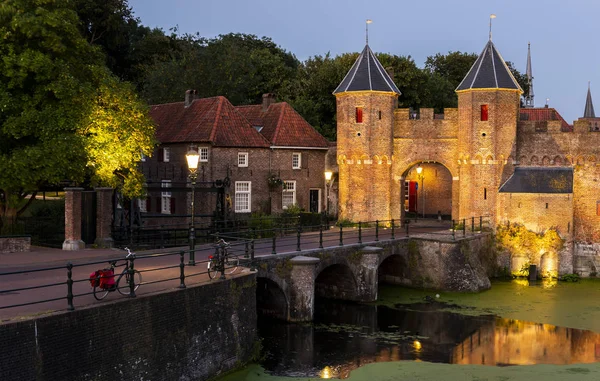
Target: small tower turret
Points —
{"points": [[529, 96], [365, 101], [589, 105]]}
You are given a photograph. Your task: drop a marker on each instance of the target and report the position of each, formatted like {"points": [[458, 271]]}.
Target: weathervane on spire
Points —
{"points": [[492, 16], [368, 22]]}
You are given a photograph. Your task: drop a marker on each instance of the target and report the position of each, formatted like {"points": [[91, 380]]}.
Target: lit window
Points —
{"points": [[243, 193], [203, 153], [165, 207], [288, 197], [484, 113], [359, 115], [242, 159], [296, 160]]}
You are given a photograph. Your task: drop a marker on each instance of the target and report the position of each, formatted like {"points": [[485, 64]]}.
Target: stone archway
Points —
{"points": [[336, 282], [270, 299], [433, 193]]}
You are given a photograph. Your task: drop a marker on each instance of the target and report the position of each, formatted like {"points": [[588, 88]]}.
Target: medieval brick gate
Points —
{"points": [[287, 284]]}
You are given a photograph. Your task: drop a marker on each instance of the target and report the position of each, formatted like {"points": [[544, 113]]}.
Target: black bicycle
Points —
{"points": [[103, 281], [222, 261]]}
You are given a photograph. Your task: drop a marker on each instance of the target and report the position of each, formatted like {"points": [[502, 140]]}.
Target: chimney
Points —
{"points": [[268, 99], [190, 95]]}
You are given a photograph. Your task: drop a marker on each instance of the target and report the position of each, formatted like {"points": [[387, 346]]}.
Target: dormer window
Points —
{"points": [[484, 113], [359, 115]]}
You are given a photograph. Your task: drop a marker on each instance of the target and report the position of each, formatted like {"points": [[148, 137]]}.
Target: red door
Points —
{"points": [[410, 196]]}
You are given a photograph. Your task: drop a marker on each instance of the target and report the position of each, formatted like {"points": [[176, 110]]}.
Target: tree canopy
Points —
{"points": [[63, 114]]}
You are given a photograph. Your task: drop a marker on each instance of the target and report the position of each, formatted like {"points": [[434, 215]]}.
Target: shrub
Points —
{"points": [[570, 278]]}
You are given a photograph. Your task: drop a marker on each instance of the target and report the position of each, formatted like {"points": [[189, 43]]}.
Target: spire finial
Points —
{"points": [[492, 16], [367, 29], [529, 95]]}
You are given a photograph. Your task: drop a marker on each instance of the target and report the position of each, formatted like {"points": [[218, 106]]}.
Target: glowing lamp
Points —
{"points": [[419, 169], [328, 175], [192, 158]]}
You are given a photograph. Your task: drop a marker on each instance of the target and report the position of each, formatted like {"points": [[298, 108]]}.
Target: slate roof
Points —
{"points": [[589, 106], [283, 126], [489, 72], [542, 114], [539, 180], [367, 74], [208, 120]]}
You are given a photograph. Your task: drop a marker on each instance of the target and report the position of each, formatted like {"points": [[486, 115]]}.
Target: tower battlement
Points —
{"points": [[425, 124]]}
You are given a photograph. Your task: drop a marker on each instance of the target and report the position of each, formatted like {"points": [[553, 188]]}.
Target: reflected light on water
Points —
{"points": [[326, 372], [417, 345]]}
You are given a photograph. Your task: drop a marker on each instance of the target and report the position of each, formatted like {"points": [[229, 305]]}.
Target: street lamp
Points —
{"points": [[421, 177], [192, 158], [328, 177]]}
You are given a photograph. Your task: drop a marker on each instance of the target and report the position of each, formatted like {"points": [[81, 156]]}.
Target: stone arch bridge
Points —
{"points": [[287, 284]]}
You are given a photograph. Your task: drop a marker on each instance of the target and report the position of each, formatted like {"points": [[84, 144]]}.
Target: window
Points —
{"points": [[143, 205], [485, 193], [203, 151], [484, 113], [243, 193], [379, 114], [296, 160], [242, 159], [166, 154], [598, 208], [288, 198], [165, 197], [359, 115]]}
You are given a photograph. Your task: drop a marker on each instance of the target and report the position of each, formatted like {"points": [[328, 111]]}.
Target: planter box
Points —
{"points": [[15, 243]]}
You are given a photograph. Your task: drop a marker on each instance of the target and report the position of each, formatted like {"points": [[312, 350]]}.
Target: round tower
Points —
{"points": [[365, 100], [488, 111]]}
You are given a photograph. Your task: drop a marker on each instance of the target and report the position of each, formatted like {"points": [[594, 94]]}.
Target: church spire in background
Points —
{"points": [[529, 96], [589, 106]]}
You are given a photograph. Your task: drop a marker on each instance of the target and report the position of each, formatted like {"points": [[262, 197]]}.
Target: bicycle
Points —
{"points": [[103, 280], [222, 262]]}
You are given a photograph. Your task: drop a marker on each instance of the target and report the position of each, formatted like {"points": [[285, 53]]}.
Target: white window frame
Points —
{"points": [[242, 159], [297, 164], [142, 205], [166, 154], [165, 197], [203, 152], [289, 188], [243, 197]]}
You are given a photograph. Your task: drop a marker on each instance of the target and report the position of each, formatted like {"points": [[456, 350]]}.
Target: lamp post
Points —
{"points": [[192, 158], [421, 177], [328, 177]]}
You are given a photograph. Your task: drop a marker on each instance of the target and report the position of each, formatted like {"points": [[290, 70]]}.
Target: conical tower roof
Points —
{"points": [[589, 106], [367, 74], [489, 72]]}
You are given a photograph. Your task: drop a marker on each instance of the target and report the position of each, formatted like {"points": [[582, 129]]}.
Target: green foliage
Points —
{"points": [[570, 278], [345, 223]]}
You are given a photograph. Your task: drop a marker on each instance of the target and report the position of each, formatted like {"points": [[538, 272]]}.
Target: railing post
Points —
{"points": [[481, 223], [453, 231], [131, 278], [472, 224], [181, 269], [70, 286], [341, 236], [222, 263], [320, 236], [393, 230], [406, 227], [252, 263], [274, 245], [246, 249], [376, 230], [464, 226], [359, 232], [298, 235]]}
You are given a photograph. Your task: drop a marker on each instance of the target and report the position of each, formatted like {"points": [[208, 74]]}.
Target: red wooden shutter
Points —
{"points": [[484, 113], [161, 155], [173, 205], [148, 206], [158, 203], [359, 115]]}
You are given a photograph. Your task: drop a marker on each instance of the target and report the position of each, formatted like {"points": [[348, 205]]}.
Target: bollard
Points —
{"points": [[274, 244], [181, 269], [393, 235], [472, 224], [341, 236], [406, 227], [376, 230], [320, 236], [359, 233], [70, 286], [298, 234], [131, 278]]}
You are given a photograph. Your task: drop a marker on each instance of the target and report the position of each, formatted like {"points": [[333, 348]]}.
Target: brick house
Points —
{"points": [[240, 149]]}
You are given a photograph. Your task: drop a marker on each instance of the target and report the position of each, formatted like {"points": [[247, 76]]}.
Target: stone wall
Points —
{"points": [[191, 334], [15, 244]]}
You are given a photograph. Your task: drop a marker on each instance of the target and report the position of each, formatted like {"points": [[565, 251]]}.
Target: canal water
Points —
{"points": [[507, 326]]}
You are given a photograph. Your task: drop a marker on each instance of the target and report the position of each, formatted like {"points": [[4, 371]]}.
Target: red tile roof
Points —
{"points": [[283, 126], [208, 120], [539, 114]]}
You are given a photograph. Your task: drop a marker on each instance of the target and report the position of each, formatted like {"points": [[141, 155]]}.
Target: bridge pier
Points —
{"points": [[367, 271], [302, 279]]}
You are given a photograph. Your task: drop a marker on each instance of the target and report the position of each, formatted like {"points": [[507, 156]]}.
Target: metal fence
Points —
{"points": [[44, 231]]}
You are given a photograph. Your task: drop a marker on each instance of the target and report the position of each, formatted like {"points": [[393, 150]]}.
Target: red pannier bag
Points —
{"points": [[107, 278], [94, 281]]}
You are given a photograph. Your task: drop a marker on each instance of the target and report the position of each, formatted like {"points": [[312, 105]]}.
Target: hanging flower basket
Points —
{"points": [[274, 182]]}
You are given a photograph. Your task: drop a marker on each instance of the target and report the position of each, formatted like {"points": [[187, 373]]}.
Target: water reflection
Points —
{"points": [[346, 336]]}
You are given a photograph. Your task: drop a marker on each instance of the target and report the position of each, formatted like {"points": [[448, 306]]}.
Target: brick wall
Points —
{"points": [[15, 244], [190, 334]]}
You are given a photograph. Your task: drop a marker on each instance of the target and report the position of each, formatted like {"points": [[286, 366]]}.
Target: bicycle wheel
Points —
{"points": [[213, 269], [231, 264], [100, 293], [123, 282]]}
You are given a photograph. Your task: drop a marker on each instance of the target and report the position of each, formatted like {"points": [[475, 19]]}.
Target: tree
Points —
{"points": [[58, 106]]}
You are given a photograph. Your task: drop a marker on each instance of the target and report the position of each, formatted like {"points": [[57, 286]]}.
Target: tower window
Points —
{"points": [[359, 115], [485, 193], [484, 113], [380, 116], [598, 208]]}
